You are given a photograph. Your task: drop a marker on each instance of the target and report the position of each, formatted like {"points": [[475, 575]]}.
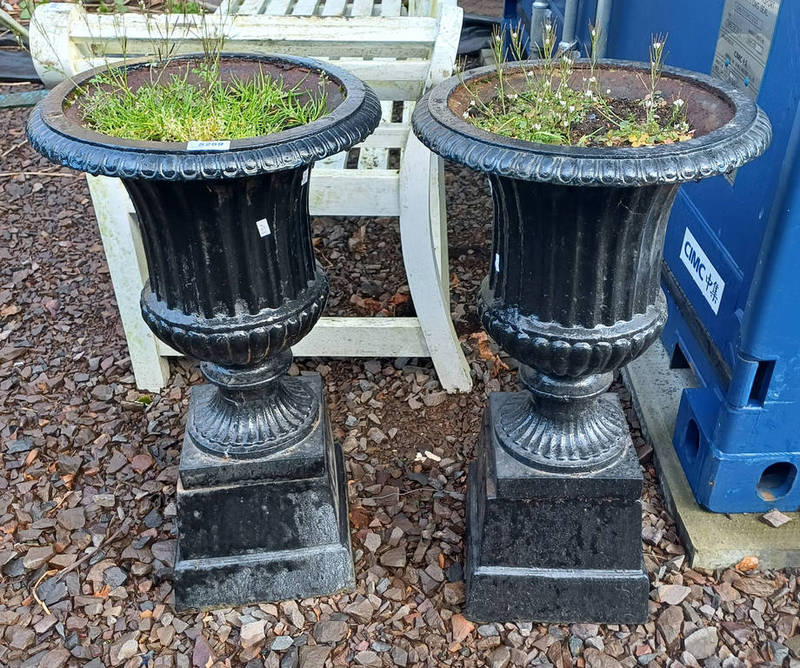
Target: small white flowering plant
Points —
{"points": [[558, 101]]}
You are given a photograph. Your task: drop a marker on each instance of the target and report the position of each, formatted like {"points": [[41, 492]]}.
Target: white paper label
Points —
{"points": [[304, 180], [263, 227], [703, 272], [215, 145]]}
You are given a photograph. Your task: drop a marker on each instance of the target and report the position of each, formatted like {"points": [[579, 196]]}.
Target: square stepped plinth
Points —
{"points": [[553, 547], [263, 529]]}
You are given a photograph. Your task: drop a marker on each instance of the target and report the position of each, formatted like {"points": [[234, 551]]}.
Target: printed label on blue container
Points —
{"points": [[702, 271]]}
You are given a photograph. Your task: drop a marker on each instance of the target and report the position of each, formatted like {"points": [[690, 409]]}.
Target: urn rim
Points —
{"points": [[64, 141], [741, 139]]}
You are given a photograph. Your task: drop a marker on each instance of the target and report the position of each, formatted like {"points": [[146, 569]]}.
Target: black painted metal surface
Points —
{"points": [[62, 140], [264, 529], [262, 504], [573, 288], [741, 139], [552, 547], [573, 293], [233, 280]]}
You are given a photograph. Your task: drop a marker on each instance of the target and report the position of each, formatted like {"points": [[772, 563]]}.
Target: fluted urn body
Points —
{"points": [[573, 293], [232, 277], [573, 290]]}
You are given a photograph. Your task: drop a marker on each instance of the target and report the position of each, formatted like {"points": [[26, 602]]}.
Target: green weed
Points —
{"points": [[196, 104]]}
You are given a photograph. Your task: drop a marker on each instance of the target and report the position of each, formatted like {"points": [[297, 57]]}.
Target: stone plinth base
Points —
{"points": [[551, 547], [263, 529]]}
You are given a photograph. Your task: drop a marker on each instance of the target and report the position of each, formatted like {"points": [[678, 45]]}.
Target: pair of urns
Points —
{"points": [[573, 293]]}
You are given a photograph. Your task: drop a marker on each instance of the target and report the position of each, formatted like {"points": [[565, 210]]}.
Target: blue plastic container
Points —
{"points": [[730, 273], [730, 269]]}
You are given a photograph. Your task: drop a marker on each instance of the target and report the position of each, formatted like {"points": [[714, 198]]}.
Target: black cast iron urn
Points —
{"points": [[573, 293], [262, 512]]}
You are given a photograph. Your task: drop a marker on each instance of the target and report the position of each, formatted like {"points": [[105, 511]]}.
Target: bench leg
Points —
{"points": [[123, 249], [428, 274], [439, 226]]}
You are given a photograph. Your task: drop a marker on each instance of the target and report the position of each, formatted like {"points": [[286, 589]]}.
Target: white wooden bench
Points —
{"points": [[400, 52]]}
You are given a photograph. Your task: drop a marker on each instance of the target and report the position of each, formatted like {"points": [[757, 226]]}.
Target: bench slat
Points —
{"points": [[331, 192], [334, 8], [335, 161], [400, 80], [364, 337], [376, 158], [354, 337], [251, 7], [388, 135], [361, 8], [305, 7], [311, 49], [403, 75], [277, 7], [336, 36], [391, 7]]}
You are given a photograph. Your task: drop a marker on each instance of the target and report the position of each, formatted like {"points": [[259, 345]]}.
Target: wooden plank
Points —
{"points": [[391, 80], [334, 8], [310, 36], [408, 109], [335, 161], [421, 7], [423, 271], [122, 244], [251, 7], [55, 56], [354, 192], [364, 337], [310, 48], [446, 48], [391, 7], [388, 135], [277, 7], [305, 7], [355, 337], [438, 211], [376, 158], [361, 8]]}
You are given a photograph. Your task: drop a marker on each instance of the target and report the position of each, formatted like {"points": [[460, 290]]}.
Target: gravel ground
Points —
{"points": [[87, 495]]}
